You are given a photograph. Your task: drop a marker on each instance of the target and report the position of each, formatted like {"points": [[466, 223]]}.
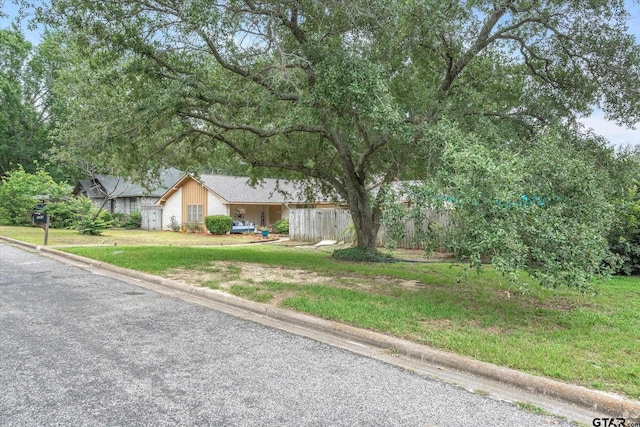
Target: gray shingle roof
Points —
{"points": [[93, 191], [114, 186], [235, 189]]}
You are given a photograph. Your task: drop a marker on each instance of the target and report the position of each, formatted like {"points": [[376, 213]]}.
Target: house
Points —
{"points": [[117, 195], [191, 199]]}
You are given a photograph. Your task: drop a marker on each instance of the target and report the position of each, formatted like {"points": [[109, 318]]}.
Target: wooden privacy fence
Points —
{"points": [[314, 225]]}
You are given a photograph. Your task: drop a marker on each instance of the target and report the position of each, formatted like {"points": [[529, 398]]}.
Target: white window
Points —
{"points": [[194, 213]]}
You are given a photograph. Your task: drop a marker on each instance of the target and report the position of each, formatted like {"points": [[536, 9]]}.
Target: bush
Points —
{"points": [[77, 213], [174, 225], [281, 226], [118, 219], [624, 240], [18, 193], [91, 225], [193, 227], [360, 255], [132, 221], [64, 214], [90, 221], [106, 217], [218, 224]]}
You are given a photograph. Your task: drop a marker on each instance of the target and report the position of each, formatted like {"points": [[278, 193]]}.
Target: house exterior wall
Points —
{"points": [[216, 206], [194, 195], [172, 208], [261, 215], [98, 204], [256, 214], [118, 205], [123, 205], [285, 212], [275, 213], [127, 205], [147, 201]]}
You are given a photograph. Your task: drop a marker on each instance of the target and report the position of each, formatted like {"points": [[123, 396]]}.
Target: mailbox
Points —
{"points": [[39, 217], [39, 207]]}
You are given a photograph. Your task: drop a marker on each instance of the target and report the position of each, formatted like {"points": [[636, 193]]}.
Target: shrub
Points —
{"points": [[118, 219], [132, 221], [106, 216], [91, 225], [281, 226], [360, 255], [64, 214], [218, 224], [625, 237], [193, 227], [174, 225], [90, 221]]}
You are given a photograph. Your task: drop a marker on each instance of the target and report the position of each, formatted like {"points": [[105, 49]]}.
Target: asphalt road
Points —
{"points": [[82, 349]]}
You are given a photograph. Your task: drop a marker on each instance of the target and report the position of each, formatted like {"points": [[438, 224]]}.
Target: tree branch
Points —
{"points": [[260, 132]]}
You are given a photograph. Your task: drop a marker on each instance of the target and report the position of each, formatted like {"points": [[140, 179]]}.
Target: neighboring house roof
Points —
{"points": [[101, 186], [88, 189], [236, 190]]}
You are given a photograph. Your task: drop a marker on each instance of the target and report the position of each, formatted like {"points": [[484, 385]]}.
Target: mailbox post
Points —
{"points": [[41, 219]]}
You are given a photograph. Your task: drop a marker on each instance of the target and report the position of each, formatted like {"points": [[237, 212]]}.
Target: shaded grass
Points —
{"points": [[590, 340], [158, 260]]}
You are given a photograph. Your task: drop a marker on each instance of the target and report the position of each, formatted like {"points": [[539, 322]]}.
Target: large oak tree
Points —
{"points": [[344, 94]]}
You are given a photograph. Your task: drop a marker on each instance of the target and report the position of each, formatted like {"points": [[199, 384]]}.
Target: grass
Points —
{"points": [[589, 340], [35, 235], [529, 407]]}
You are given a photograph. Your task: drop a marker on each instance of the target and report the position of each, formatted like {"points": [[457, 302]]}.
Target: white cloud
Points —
{"points": [[617, 135]]}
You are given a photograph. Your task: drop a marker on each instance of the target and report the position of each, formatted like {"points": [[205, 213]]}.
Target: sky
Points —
{"points": [[617, 135]]}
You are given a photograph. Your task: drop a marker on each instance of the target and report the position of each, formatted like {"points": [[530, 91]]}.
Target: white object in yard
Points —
{"points": [[326, 243]]}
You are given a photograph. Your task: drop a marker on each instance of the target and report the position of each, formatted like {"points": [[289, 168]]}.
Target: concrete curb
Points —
{"points": [[601, 402]]}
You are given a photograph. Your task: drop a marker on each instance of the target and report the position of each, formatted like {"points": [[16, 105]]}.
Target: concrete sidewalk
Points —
{"points": [[574, 402]]}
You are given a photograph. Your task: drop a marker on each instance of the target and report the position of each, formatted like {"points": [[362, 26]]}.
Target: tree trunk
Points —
{"points": [[366, 219]]}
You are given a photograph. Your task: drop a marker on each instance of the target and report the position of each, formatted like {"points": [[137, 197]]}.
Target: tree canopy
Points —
{"points": [[28, 109], [349, 96]]}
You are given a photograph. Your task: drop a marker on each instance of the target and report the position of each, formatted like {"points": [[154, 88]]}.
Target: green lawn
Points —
{"points": [[589, 340], [35, 235]]}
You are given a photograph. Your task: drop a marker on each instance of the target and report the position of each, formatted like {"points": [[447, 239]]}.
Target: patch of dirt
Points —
{"points": [[282, 296], [226, 274]]}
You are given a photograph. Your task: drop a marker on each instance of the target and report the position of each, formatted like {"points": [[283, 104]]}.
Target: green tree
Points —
{"points": [[28, 109], [342, 94], [20, 191], [624, 238], [531, 209]]}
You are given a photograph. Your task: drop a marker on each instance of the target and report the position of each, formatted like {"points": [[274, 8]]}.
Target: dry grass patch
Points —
{"points": [[120, 237], [245, 273]]}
